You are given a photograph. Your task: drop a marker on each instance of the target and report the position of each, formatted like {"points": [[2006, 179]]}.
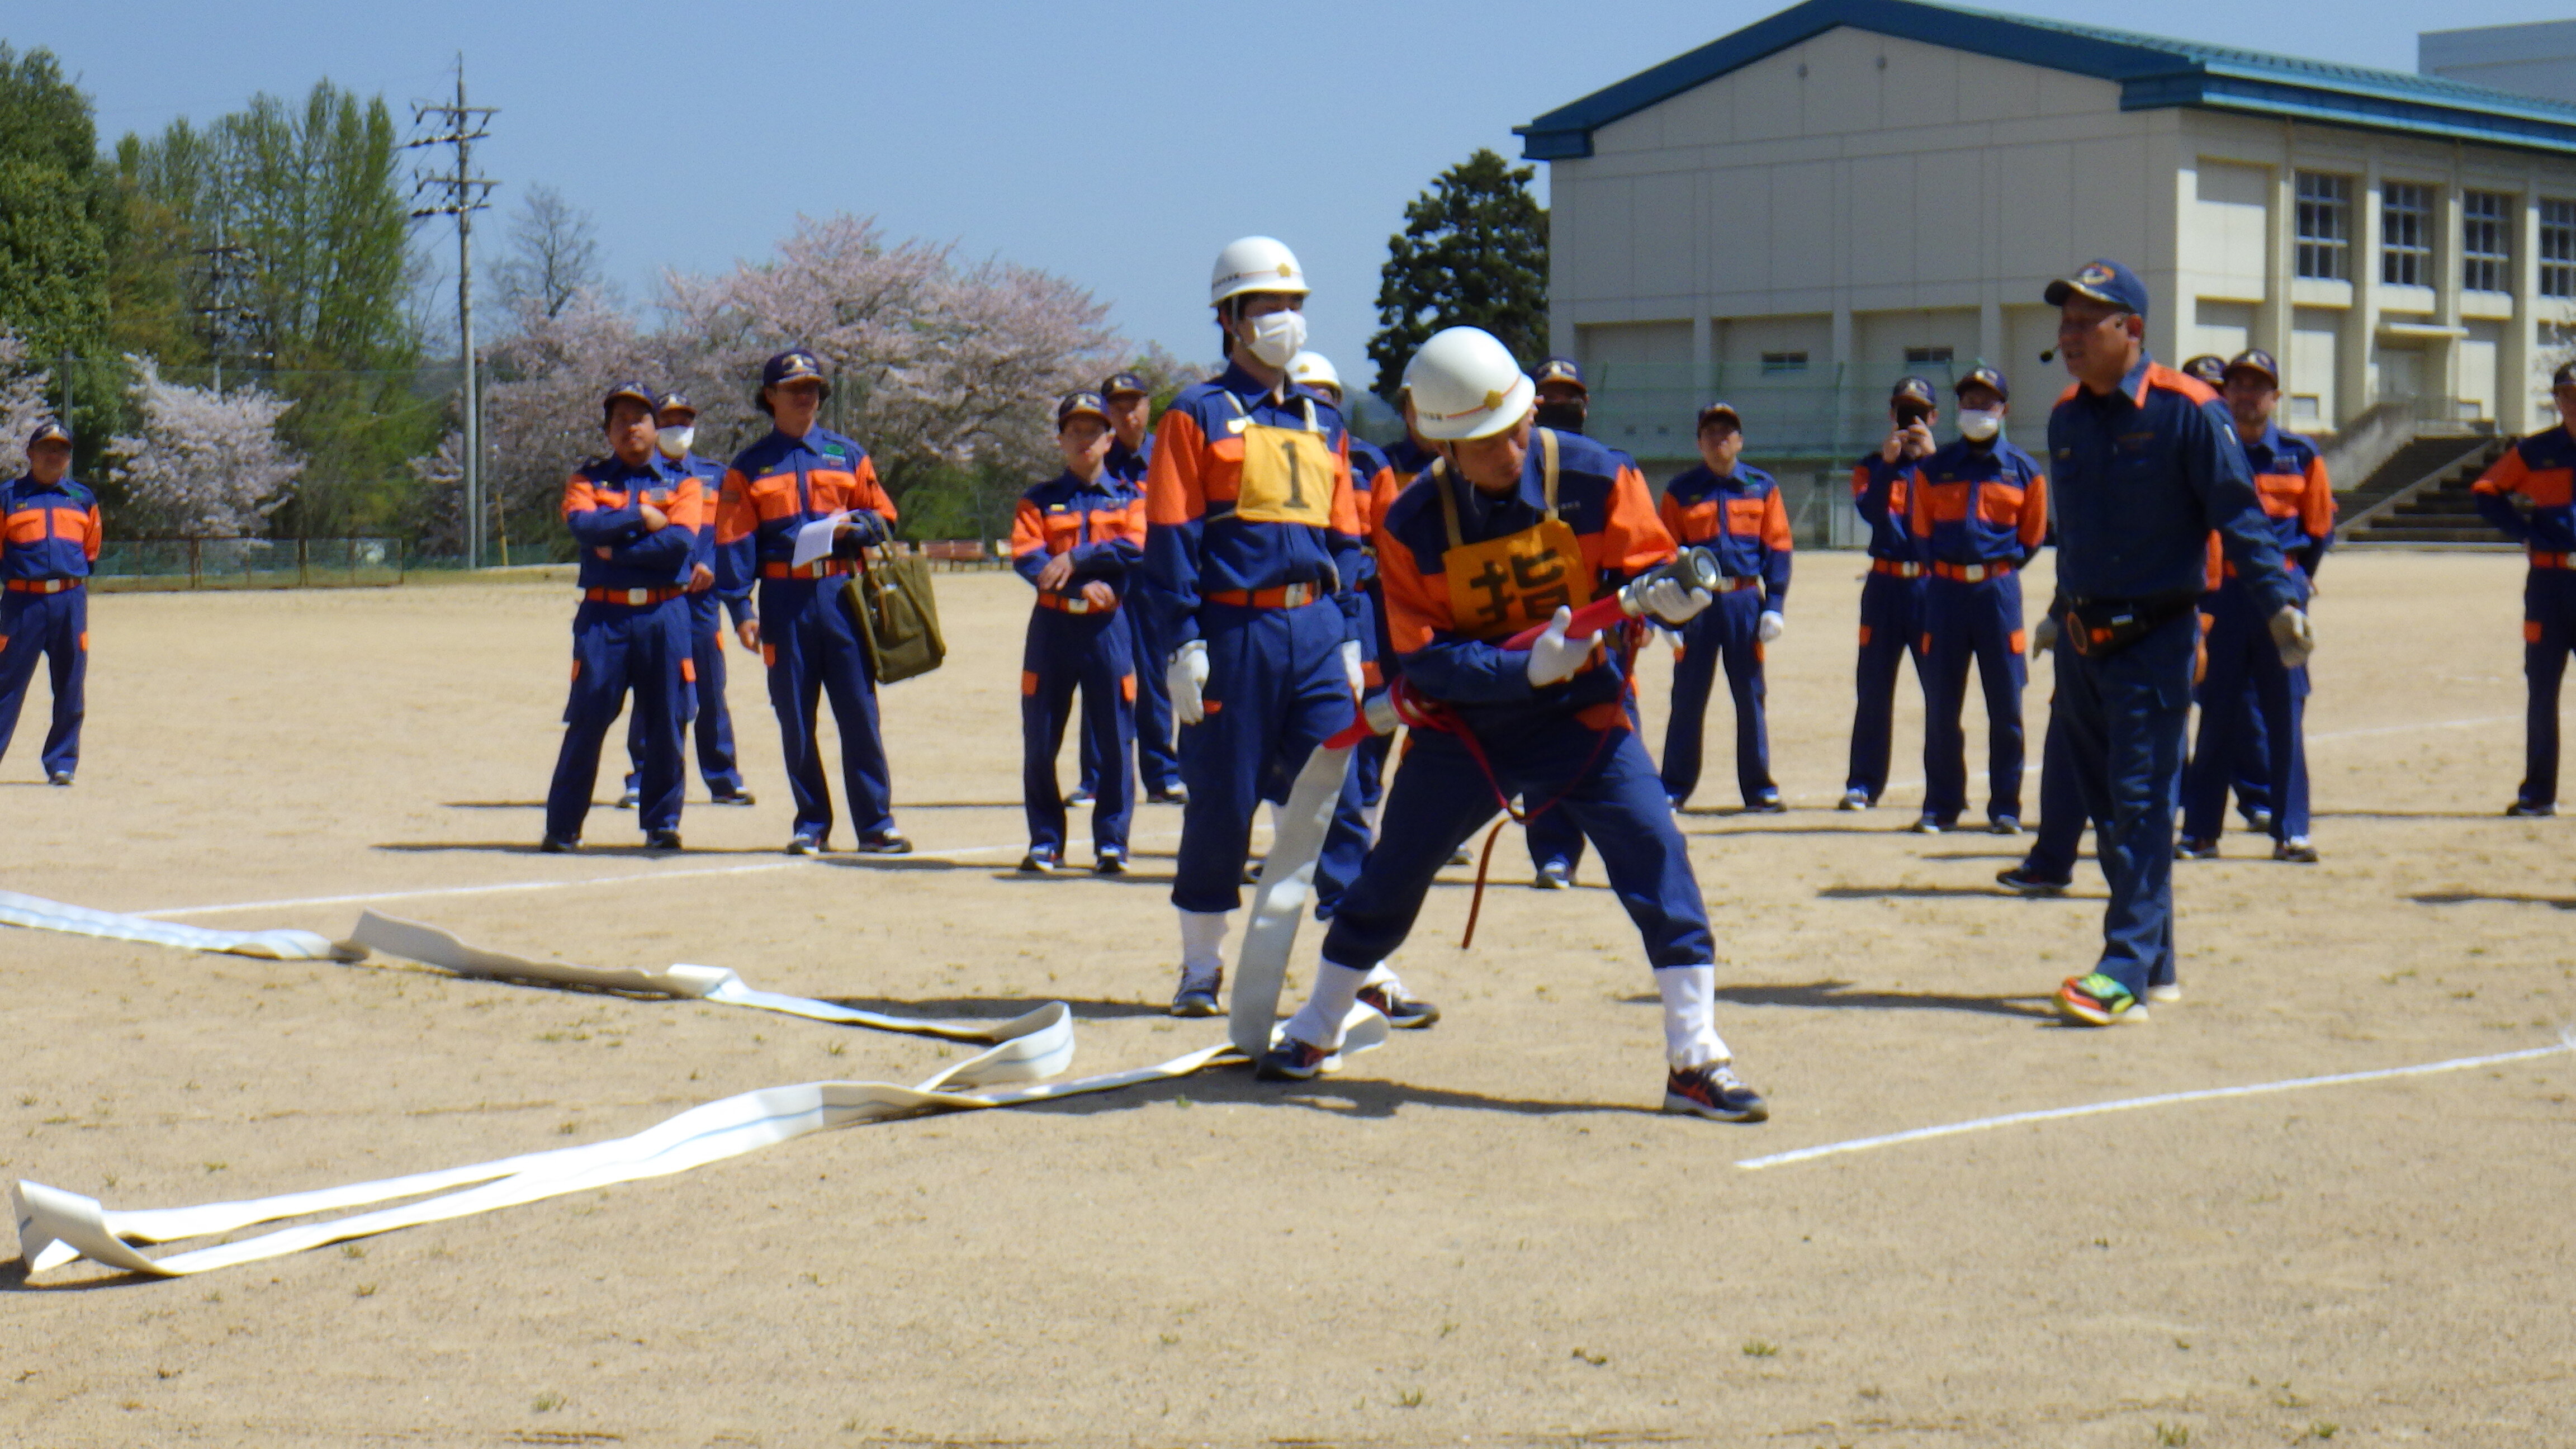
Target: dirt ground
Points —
{"points": [[1482, 1233]]}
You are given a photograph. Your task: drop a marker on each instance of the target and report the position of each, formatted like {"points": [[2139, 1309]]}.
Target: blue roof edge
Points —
{"points": [[2152, 76]]}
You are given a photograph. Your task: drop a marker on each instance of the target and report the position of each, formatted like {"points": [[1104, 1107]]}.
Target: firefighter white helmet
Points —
{"points": [[1255, 264], [1465, 384]]}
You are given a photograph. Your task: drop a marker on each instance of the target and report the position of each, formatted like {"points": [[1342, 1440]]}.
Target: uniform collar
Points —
{"points": [[1247, 387], [2135, 384], [2270, 440]]}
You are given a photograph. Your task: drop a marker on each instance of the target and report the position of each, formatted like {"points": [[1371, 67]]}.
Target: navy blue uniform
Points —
{"points": [[1158, 762], [1073, 642], [1981, 510], [708, 609], [630, 636], [1743, 521], [1891, 619], [2542, 468], [51, 537]]}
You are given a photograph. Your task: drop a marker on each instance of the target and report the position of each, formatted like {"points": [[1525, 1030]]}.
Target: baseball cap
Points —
{"points": [[2565, 376], [2208, 367], [1561, 369], [636, 390], [675, 402], [1913, 389], [794, 365], [2258, 360], [1717, 410], [1120, 384], [1079, 404], [1982, 375], [48, 428], [2104, 281]]}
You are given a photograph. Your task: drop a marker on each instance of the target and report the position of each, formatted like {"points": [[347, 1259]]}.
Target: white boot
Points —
{"points": [[1690, 1016], [1319, 1023]]}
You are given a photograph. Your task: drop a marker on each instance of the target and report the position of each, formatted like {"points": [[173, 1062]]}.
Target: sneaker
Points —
{"points": [[1715, 1092], [1767, 805], [731, 797], [630, 799], [2526, 810], [2187, 848], [1080, 796], [1040, 860], [2295, 850], [1855, 798], [1462, 856], [60, 779], [1292, 1061], [2004, 825], [806, 842], [1554, 876], [661, 840], [1111, 861], [2022, 882], [1931, 825], [1175, 793], [2257, 821], [1198, 998], [2098, 1000], [1252, 871], [2171, 991], [556, 845], [1404, 1013], [885, 842]]}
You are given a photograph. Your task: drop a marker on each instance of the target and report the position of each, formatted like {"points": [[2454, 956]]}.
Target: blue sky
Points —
{"points": [[1118, 146]]}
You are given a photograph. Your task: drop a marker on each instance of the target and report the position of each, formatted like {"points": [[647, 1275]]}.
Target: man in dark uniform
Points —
{"points": [[1734, 510], [51, 539], [1158, 764], [1891, 598], [2146, 465], [2542, 469], [677, 423]]}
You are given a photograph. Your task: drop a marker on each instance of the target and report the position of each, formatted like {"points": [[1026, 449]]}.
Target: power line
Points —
{"points": [[460, 193]]}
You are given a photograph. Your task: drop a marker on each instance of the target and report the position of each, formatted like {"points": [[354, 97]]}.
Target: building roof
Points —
{"points": [[2153, 73]]}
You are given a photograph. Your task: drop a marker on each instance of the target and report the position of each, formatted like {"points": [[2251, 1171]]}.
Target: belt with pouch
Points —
{"points": [[2100, 628]]}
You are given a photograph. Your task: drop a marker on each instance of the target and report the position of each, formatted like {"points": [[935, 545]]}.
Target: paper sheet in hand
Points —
{"points": [[814, 540]]}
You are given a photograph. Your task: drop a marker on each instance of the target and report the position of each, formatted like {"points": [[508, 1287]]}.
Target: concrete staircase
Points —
{"points": [[2420, 495]]}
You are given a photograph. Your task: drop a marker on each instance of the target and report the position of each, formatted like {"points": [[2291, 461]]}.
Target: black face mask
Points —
{"points": [[1564, 417]]}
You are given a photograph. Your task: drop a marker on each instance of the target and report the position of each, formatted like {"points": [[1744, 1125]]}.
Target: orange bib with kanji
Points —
{"points": [[1287, 474], [1503, 585]]}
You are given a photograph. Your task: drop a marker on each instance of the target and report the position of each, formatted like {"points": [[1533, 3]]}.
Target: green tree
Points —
{"points": [[53, 251], [1473, 253]]}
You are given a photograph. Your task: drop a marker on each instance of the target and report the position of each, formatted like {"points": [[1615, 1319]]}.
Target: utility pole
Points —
{"points": [[460, 193], [223, 313]]}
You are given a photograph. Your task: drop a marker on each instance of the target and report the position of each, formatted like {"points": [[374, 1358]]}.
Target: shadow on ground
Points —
{"points": [[1838, 994]]}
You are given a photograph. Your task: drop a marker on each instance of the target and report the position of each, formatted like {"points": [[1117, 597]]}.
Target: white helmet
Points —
{"points": [[1466, 385], [1255, 264], [1314, 369]]}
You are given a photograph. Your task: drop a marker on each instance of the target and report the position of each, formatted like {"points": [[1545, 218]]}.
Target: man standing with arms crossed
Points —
{"points": [[676, 424], [2146, 465]]}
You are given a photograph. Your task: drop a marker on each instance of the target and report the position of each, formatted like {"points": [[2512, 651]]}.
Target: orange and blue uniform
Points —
{"points": [[1158, 760], [808, 638], [1981, 510], [1742, 520], [1553, 838], [49, 539], [1252, 544], [1462, 572], [2542, 470], [1101, 524], [1891, 618], [708, 610], [630, 635], [2298, 510]]}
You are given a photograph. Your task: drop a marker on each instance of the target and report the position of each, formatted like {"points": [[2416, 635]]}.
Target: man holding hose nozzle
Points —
{"points": [[1516, 526]]}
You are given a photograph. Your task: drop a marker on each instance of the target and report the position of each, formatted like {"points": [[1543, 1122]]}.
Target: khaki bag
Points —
{"points": [[898, 616]]}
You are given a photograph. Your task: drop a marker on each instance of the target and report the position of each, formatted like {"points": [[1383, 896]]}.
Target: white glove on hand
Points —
{"points": [[2294, 635], [1354, 666], [1673, 602], [1553, 658], [2043, 635], [1771, 626], [1186, 677]]}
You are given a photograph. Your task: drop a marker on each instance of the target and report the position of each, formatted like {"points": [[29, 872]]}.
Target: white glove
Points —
{"points": [[1553, 658], [2043, 635], [1354, 667], [1673, 602], [2294, 635], [1186, 676], [1770, 627]]}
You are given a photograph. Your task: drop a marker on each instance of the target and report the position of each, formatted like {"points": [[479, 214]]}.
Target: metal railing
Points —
{"points": [[132, 564]]}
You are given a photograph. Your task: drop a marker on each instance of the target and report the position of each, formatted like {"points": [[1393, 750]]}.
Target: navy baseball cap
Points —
{"points": [[1079, 404], [794, 365], [1561, 369], [2104, 281], [2208, 367], [675, 402], [47, 429], [2565, 376], [2257, 360], [1123, 384], [1982, 375], [1913, 389], [636, 390], [1716, 410]]}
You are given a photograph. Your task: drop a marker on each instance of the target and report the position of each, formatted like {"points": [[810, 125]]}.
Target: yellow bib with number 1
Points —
{"points": [[1287, 477]]}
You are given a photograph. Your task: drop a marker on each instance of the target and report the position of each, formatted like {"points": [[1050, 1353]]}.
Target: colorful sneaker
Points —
{"points": [[2098, 1000], [1554, 876], [2295, 850], [1855, 798], [2187, 848], [2021, 881], [1198, 997], [1291, 1060], [2171, 991], [2524, 809], [1041, 860], [1715, 1092], [1404, 1013], [885, 842]]}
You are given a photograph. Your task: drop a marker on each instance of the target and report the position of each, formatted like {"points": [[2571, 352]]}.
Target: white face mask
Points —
{"points": [[1277, 338], [1977, 426], [674, 442]]}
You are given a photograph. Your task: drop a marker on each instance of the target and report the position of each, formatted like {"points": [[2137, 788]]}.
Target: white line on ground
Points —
{"points": [[2168, 1099]]}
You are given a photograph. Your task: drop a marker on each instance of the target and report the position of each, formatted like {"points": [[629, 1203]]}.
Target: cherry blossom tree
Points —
{"points": [[22, 402], [207, 464]]}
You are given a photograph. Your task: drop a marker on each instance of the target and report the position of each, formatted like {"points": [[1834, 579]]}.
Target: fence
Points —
{"points": [[134, 564]]}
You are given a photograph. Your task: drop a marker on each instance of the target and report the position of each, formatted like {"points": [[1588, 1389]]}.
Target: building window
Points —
{"points": [[1927, 357], [1783, 362], [2486, 255], [2406, 234], [2558, 248], [2325, 227]]}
